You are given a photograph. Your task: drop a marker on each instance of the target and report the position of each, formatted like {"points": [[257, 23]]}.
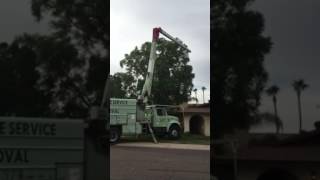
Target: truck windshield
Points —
{"points": [[161, 112]]}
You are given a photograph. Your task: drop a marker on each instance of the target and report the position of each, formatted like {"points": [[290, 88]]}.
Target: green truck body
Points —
{"points": [[123, 112], [127, 119]]}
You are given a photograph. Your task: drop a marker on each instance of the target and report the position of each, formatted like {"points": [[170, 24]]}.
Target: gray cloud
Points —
{"points": [[294, 29], [16, 18]]}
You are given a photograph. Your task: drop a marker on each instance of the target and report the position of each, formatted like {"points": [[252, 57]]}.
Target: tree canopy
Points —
{"points": [[61, 73], [47, 74], [172, 81], [81, 20], [85, 24], [18, 78], [238, 74], [122, 85]]}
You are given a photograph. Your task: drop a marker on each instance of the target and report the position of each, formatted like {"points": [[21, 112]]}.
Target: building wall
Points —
{"points": [[207, 125], [206, 118], [186, 124]]}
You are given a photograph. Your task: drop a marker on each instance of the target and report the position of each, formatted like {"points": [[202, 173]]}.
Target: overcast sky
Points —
{"points": [[294, 28], [132, 23], [16, 18]]}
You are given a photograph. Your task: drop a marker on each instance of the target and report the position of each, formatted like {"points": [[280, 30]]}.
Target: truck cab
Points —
{"points": [[162, 122]]}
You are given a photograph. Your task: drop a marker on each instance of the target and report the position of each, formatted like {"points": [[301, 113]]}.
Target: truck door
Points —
{"points": [[161, 119]]}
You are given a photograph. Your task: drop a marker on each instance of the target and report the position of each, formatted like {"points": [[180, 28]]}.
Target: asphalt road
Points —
{"points": [[137, 163]]}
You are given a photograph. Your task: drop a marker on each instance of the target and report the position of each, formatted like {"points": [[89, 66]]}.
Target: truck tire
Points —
{"points": [[174, 132], [114, 135]]}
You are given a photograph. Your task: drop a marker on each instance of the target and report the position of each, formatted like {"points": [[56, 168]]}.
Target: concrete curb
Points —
{"points": [[166, 146]]}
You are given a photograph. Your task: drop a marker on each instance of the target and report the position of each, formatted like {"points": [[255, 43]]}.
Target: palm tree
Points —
{"points": [[299, 85], [273, 91], [195, 92], [203, 89]]}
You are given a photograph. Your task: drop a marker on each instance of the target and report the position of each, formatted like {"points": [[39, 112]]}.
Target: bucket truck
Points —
{"points": [[132, 117]]}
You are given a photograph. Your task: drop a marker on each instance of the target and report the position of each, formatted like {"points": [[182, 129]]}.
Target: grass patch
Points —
{"points": [[186, 138]]}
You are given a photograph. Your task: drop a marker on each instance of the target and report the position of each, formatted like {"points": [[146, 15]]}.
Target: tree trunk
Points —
{"points": [[300, 113], [276, 114]]}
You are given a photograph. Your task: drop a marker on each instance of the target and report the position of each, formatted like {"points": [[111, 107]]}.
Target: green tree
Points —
{"points": [[60, 70], [122, 85], [60, 74], [84, 24], [299, 86], [238, 74], [18, 93], [84, 21], [172, 82], [273, 91]]}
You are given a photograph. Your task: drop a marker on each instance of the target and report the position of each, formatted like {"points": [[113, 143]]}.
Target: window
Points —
{"points": [[161, 112]]}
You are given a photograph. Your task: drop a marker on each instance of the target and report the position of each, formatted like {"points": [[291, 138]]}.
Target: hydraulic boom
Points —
{"points": [[146, 91]]}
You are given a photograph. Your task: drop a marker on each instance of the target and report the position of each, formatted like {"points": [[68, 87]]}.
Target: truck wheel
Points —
{"points": [[114, 135], [174, 132]]}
